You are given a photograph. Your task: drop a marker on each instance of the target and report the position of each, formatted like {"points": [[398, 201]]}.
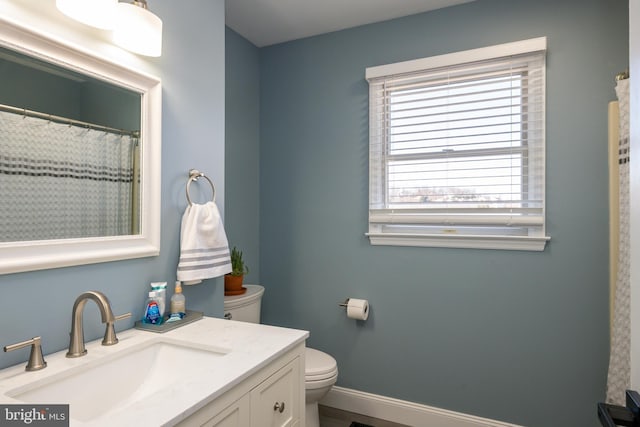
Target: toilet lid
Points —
{"points": [[318, 365]]}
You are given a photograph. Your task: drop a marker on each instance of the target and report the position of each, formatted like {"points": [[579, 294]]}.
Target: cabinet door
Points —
{"points": [[275, 402], [235, 415]]}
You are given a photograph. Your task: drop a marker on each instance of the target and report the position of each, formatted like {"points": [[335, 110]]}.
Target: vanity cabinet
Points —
{"points": [[275, 401], [235, 415], [272, 397]]}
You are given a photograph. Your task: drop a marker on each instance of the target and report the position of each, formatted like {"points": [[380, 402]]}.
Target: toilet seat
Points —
{"points": [[320, 369], [319, 384]]}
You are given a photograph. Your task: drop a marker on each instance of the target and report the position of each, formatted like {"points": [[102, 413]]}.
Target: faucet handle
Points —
{"points": [[123, 316], [110, 333], [36, 359]]}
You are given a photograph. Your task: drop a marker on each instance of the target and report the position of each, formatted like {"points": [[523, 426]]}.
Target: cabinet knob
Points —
{"points": [[279, 407]]}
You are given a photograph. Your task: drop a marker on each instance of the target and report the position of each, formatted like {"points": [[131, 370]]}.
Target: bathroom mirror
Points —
{"points": [[80, 160]]}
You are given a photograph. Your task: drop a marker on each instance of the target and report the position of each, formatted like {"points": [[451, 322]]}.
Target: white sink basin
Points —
{"points": [[116, 382]]}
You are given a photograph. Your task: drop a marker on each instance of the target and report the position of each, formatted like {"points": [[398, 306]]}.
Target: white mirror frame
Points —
{"points": [[44, 254]]}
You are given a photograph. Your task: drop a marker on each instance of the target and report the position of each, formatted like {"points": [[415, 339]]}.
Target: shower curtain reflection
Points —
{"points": [[619, 377], [60, 181]]}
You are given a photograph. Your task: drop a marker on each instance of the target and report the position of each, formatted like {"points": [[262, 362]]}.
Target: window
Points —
{"points": [[457, 146]]}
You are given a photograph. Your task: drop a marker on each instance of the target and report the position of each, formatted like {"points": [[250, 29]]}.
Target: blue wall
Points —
{"points": [[242, 152], [514, 336], [192, 73]]}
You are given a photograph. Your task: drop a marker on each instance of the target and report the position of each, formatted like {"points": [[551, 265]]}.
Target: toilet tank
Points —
{"points": [[245, 307]]}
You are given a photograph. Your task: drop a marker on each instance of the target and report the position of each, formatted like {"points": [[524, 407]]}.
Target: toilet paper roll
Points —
{"points": [[358, 309]]}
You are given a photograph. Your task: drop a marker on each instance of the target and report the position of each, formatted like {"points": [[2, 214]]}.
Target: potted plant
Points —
{"points": [[233, 280]]}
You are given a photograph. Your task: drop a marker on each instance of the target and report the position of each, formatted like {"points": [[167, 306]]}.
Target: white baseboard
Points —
{"points": [[401, 411]]}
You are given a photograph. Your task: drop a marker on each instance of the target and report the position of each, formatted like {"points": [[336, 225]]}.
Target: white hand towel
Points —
{"points": [[204, 249]]}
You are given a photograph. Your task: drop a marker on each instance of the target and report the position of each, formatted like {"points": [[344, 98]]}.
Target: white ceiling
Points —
{"points": [[267, 22]]}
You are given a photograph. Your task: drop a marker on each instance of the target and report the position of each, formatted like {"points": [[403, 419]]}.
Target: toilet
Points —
{"points": [[321, 370]]}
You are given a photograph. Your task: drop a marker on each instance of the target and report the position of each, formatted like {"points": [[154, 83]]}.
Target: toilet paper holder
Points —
{"points": [[357, 309]]}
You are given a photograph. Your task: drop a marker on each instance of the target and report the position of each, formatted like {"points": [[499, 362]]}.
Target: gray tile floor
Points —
{"points": [[331, 417]]}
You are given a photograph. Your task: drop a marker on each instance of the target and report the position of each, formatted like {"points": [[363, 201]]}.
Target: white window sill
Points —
{"points": [[513, 243]]}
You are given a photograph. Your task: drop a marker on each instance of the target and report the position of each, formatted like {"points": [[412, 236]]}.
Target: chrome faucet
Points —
{"points": [[76, 342]]}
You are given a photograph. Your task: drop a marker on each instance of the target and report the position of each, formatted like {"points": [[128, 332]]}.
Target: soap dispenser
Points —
{"points": [[178, 306]]}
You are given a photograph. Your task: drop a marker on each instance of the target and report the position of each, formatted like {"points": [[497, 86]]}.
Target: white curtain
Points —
{"points": [[618, 380], [60, 181]]}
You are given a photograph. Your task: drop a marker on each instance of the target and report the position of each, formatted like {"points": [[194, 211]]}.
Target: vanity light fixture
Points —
{"points": [[137, 30], [134, 27], [96, 13]]}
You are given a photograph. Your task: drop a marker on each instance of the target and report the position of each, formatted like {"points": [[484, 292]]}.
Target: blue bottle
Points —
{"points": [[152, 313]]}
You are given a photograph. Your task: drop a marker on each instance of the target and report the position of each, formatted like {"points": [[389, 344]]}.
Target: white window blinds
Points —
{"points": [[457, 149]]}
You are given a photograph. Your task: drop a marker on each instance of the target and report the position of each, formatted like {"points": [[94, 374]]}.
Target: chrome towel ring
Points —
{"points": [[194, 175]]}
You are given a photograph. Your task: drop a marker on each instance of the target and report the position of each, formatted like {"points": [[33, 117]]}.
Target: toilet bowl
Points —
{"points": [[320, 374], [321, 370]]}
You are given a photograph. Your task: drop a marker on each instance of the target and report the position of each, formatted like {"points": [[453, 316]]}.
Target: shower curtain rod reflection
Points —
{"points": [[65, 120], [623, 75]]}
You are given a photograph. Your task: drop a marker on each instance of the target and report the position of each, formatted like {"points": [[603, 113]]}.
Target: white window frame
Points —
{"points": [[443, 228]]}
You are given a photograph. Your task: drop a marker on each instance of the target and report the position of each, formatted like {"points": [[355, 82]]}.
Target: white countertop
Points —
{"points": [[248, 347]]}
